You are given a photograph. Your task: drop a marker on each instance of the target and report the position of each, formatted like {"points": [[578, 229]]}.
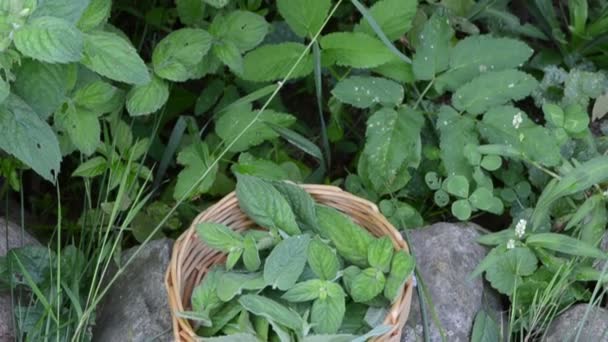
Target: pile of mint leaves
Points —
{"points": [[312, 274]]}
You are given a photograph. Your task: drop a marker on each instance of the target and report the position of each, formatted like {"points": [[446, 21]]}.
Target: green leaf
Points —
{"points": [[432, 48], [219, 236], [482, 198], [364, 92], [396, 70], [265, 205], [441, 198], [244, 29], [351, 240], [209, 96], [262, 168], [393, 16], [392, 145], [565, 244], [221, 317], [301, 203], [217, 3], [349, 275], [286, 262], [231, 124], [576, 118], [477, 54], [272, 311], [29, 138], [82, 126], [229, 54], [457, 185], [329, 338], [99, 97], [49, 39], [456, 131], [232, 284], [196, 161], [328, 312], [491, 162], [355, 49], [305, 17], [175, 57], [380, 253], [68, 10], [204, 296], [233, 257], [367, 285], [147, 98], [402, 267], [251, 256], [112, 56], [493, 89], [485, 328], [323, 260], [43, 86], [461, 209], [95, 15], [190, 12], [533, 141], [554, 114], [91, 168], [304, 291], [505, 274], [273, 62], [5, 90], [198, 316]]}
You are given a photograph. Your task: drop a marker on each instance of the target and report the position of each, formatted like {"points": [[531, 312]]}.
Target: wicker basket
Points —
{"points": [[191, 259]]}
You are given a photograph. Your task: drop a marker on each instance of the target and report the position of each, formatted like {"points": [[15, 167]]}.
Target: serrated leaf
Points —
{"points": [[432, 47], [272, 311], [273, 62], [233, 257], [110, 55], [402, 267], [244, 29], [505, 274], [49, 39], [367, 285], [461, 209], [396, 70], [364, 92], [351, 240], [323, 260], [147, 98], [196, 161], [230, 125], [265, 205], [304, 17], [348, 276], [304, 291], [32, 140], [393, 16], [221, 317], [229, 54], [301, 203], [477, 54], [392, 144], [219, 236], [82, 126], [174, 58], [43, 86], [68, 10], [204, 296], [91, 168], [380, 254], [190, 12], [251, 255], [286, 262], [95, 15], [534, 141], [493, 89], [99, 97], [231, 284], [355, 49], [328, 312], [456, 131], [262, 168]]}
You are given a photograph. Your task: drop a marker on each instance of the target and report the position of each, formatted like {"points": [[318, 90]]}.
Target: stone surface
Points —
{"points": [[598, 264], [136, 307], [446, 254], [11, 236], [566, 326]]}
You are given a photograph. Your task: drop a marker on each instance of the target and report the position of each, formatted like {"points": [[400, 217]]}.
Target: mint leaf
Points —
{"points": [[95, 15], [204, 296], [82, 126], [402, 266], [243, 29], [219, 236], [232, 284], [49, 39], [196, 161], [176, 55], [147, 98], [251, 255], [304, 291], [301, 203], [99, 97], [323, 260], [91, 168], [272, 311], [68, 10], [286, 262], [380, 253], [305, 17], [367, 285], [328, 310]]}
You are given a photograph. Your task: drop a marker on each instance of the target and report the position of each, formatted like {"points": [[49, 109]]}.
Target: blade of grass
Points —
{"points": [[316, 51]]}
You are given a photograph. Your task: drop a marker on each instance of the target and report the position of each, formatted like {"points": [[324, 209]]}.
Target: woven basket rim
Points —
{"points": [[178, 288]]}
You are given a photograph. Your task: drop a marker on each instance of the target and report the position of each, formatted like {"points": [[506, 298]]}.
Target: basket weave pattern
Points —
{"points": [[192, 259]]}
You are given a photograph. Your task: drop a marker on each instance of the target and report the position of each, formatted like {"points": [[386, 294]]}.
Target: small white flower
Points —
{"points": [[517, 120], [520, 228], [510, 244], [605, 193]]}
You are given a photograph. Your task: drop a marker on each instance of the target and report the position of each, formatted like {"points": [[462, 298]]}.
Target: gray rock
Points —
{"points": [[136, 308], [446, 254], [566, 326], [11, 236], [599, 264]]}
